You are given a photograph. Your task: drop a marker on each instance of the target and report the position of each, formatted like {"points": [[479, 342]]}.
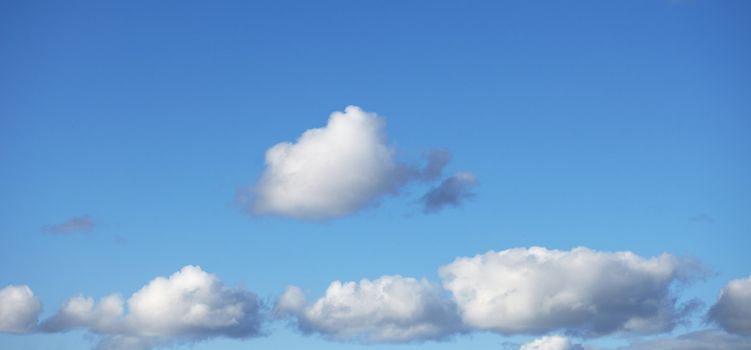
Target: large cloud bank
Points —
{"points": [[732, 311], [516, 291], [190, 305], [388, 309], [19, 309], [536, 290], [525, 291]]}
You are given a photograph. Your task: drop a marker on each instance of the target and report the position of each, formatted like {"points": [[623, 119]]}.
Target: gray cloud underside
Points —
{"points": [[732, 311], [453, 191]]}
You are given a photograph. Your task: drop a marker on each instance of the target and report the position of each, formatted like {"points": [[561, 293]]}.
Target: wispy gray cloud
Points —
{"points": [[436, 161], [73, 225], [700, 340], [451, 191], [703, 218]]}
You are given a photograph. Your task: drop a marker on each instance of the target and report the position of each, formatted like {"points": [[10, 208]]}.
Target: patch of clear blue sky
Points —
{"points": [[607, 124]]}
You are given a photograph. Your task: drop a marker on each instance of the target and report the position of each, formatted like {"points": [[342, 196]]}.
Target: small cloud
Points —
{"points": [[335, 170], [452, 191], [73, 225], [120, 239], [703, 218]]}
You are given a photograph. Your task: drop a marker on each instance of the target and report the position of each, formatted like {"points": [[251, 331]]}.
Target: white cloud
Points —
{"points": [[330, 171], [388, 309], [732, 311], [19, 309], [552, 342], [190, 305], [536, 290], [335, 170]]}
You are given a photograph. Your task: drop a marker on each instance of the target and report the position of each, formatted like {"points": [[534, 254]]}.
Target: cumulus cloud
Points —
{"points": [[451, 191], [700, 340], [581, 291], [190, 305], [72, 225], [388, 309], [335, 170], [19, 309], [732, 311], [552, 342]]}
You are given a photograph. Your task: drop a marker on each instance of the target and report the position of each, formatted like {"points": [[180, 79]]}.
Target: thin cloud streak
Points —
{"points": [[73, 225]]}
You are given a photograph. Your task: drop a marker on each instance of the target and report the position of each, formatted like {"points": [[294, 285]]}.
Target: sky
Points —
{"points": [[529, 175]]}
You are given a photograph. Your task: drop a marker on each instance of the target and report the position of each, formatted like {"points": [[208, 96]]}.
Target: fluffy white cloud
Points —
{"points": [[19, 309], [335, 170], [189, 305], [581, 291], [330, 171], [732, 311], [388, 309], [552, 342]]}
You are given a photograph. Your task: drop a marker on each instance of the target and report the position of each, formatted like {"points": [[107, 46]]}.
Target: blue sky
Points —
{"points": [[611, 125]]}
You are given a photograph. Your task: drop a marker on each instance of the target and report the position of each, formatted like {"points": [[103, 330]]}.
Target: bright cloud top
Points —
{"points": [[388, 309], [330, 171], [732, 311], [190, 305], [19, 309], [536, 290], [552, 342]]}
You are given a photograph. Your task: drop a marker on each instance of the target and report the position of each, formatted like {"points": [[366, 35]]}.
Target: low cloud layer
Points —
{"points": [[551, 342], [524, 291], [388, 309], [581, 291], [701, 340], [732, 311], [19, 309], [73, 225], [516, 291], [188, 306], [452, 191]]}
